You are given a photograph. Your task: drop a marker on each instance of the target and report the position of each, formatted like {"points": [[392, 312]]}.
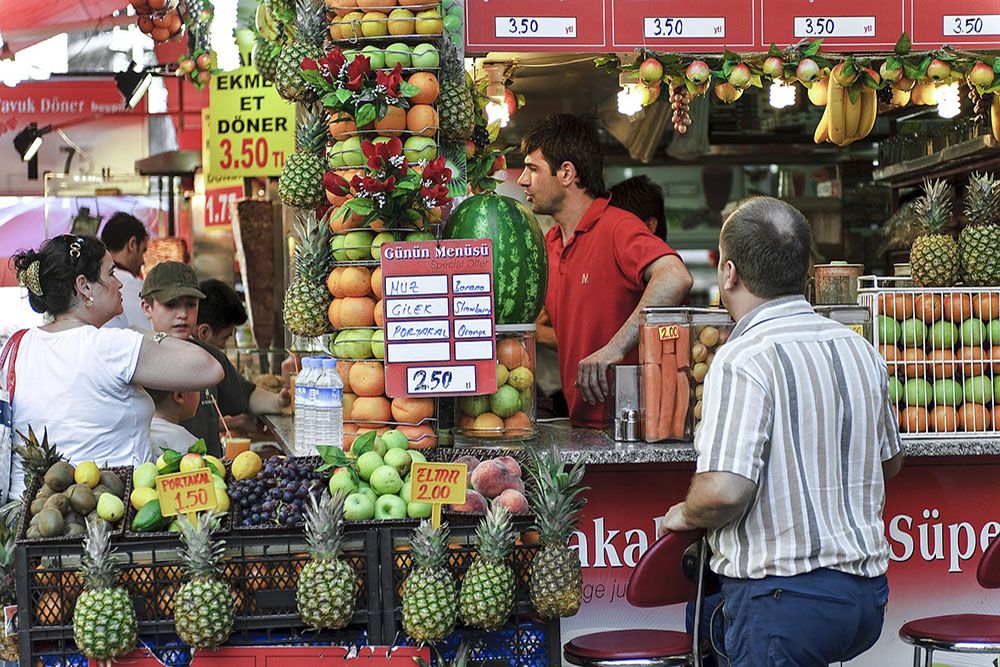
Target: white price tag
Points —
{"points": [[558, 27], [684, 28], [834, 26], [440, 379], [984, 24]]}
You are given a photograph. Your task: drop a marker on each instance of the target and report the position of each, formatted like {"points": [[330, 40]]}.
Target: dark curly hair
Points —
{"points": [[222, 305], [58, 270], [563, 137]]}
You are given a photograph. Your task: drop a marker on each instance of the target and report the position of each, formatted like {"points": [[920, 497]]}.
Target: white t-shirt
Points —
{"points": [[76, 383], [164, 435], [132, 315]]}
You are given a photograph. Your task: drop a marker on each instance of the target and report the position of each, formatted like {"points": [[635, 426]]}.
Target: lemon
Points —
{"points": [[144, 476], [221, 501], [161, 463], [213, 462], [246, 465], [192, 461], [142, 495], [87, 473]]}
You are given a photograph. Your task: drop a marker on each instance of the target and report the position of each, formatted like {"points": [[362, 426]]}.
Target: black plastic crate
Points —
{"points": [[520, 643]]}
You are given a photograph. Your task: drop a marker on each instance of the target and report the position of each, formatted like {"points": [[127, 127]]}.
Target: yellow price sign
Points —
{"points": [[186, 492], [438, 484], [669, 332]]}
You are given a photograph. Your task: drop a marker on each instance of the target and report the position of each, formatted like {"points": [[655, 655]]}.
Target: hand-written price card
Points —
{"points": [[439, 324]]}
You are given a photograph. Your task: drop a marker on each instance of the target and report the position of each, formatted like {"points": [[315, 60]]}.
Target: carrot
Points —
{"points": [[683, 347], [679, 417], [649, 345], [650, 401], [668, 393]]}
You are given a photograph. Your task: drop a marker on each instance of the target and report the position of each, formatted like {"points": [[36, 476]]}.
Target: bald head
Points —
{"points": [[769, 242]]}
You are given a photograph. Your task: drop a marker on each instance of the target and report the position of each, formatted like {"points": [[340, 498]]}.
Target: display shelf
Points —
{"points": [[978, 153]]}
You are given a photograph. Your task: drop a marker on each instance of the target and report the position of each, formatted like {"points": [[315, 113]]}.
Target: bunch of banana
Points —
{"points": [[843, 121], [995, 115]]}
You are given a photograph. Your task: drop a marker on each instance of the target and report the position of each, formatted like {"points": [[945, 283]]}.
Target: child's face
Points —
{"points": [[178, 317], [189, 403]]}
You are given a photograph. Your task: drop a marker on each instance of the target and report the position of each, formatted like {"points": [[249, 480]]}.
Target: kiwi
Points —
{"points": [[59, 476], [59, 502], [50, 522], [44, 492], [72, 518], [99, 489], [37, 505], [34, 521], [113, 482], [75, 530], [82, 499], [32, 533]]}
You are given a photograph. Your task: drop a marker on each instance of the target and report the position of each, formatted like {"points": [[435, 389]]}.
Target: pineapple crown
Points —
{"points": [[430, 545], [310, 21], [325, 526], [494, 535], [312, 253], [461, 658], [201, 554], [452, 66], [311, 131], [933, 209], [37, 457], [982, 200], [555, 497], [98, 565]]}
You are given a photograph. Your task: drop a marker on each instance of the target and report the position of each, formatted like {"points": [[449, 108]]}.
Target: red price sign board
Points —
{"points": [[185, 492], [958, 22], [439, 325], [219, 205], [693, 25], [858, 24], [535, 25]]}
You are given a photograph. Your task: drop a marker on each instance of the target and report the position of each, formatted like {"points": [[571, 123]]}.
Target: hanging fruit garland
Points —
{"points": [[166, 20], [845, 84]]}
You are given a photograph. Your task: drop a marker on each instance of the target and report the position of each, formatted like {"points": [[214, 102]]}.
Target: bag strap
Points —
{"points": [[11, 349]]}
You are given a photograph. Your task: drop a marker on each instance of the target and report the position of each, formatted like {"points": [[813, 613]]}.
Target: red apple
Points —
{"points": [[204, 61], [510, 100], [890, 73], [651, 70], [697, 72], [499, 164], [981, 75], [727, 92], [807, 70], [740, 76], [186, 66], [938, 70], [470, 148], [876, 77], [904, 84], [774, 67], [843, 77], [204, 77]]}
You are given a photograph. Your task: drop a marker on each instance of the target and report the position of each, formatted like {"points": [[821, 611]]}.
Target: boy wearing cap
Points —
{"points": [[170, 299]]}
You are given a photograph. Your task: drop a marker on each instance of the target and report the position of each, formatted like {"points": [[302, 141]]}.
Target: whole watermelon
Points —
{"points": [[520, 265]]}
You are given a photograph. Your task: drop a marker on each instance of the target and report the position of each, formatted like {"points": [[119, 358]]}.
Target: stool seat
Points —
{"points": [[629, 645], [957, 629]]}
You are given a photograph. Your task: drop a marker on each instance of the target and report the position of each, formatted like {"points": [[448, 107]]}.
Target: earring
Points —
{"points": [[88, 301]]}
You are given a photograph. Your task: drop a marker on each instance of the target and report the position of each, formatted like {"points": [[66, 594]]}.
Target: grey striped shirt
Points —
{"points": [[799, 405]]}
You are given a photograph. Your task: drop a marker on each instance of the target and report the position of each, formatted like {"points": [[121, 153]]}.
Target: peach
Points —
{"points": [[491, 479], [419, 437], [471, 462], [518, 424], [474, 504], [513, 500], [511, 464], [368, 410], [412, 410], [368, 378]]}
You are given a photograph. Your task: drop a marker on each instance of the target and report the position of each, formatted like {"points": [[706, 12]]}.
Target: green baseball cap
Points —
{"points": [[170, 280]]}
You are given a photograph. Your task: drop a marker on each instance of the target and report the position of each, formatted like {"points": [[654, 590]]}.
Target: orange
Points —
{"points": [[890, 353], [428, 85], [957, 307], [942, 365], [488, 425], [977, 356], [419, 437], [333, 313], [974, 417], [349, 399], [356, 281], [412, 410], [393, 123], [357, 312], [517, 424], [376, 283], [368, 378], [896, 306], [344, 371], [333, 282], [944, 419], [379, 314], [371, 410], [916, 357], [995, 358], [422, 119], [342, 126], [928, 308], [343, 220], [986, 306], [913, 420], [510, 353], [375, 4]]}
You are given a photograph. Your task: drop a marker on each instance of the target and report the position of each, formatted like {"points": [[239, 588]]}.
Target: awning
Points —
{"points": [[25, 23]]}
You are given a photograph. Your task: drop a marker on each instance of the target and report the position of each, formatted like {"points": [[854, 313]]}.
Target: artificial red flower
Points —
{"points": [[390, 80], [436, 195], [357, 71], [336, 184], [329, 65], [373, 185], [380, 154], [435, 172]]}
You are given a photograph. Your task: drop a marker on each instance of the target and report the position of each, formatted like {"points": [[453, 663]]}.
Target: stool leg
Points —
{"points": [[916, 656], [929, 659]]}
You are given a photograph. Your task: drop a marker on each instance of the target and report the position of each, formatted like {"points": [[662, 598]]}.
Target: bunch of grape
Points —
{"points": [[279, 493], [680, 102]]}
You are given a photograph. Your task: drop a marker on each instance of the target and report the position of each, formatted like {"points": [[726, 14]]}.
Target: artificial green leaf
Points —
{"points": [[315, 78], [331, 101], [359, 206], [365, 115], [903, 45], [332, 456], [755, 81], [729, 56], [727, 68], [812, 48], [854, 94], [171, 456], [198, 447], [363, 443], [407, 89], [774, 50], [924, 64], [996, 65], [343, 94], [493, 129]]}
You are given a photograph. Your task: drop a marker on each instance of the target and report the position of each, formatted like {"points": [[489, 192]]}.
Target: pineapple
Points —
{"points": [[325, 592], [487, 593], [979, 242], [203, 606], [104, 624], [430, 603], [309, 30], [307, 298], [934, 254], [265, 58], [8, 595], [301, 184], [455, 106], [556, 582]]}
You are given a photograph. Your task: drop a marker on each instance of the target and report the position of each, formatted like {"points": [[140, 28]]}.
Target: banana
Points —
{"points": [[823, 129], [869, 108], [836, 99], [265, 22], [852, 112], [995, 116], [900, 98]]}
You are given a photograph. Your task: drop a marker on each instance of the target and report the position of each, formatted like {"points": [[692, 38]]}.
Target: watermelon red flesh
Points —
{"points": [[520, 264]]}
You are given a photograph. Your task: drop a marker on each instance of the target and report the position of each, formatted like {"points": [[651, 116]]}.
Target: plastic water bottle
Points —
{"points": [[330, 412], [304, 382]]}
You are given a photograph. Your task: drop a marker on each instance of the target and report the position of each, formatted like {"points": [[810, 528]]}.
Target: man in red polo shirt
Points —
{"points": [[605, 265]]}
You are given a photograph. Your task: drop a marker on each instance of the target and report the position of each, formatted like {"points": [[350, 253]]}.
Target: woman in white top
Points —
{"points": [[81, 382]]}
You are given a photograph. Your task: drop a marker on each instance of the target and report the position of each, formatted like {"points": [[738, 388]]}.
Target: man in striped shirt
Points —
{"points": [[798, 439]]}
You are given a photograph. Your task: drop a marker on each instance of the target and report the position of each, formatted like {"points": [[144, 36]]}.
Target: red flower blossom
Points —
{"points": [[380, 154], [336, 184], [436, 195], [357, 71], [373, 185], [329, 65], [436, 173], [390, 80]]}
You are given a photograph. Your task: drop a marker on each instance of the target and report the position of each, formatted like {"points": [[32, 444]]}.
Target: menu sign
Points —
{"points": [[682, 24], [439, 322], [959, 23], [527, 25]]}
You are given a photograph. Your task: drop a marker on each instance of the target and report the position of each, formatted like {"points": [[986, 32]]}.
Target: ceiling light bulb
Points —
{"points": [[781, 95], [629, 100], [497, 113], [227, 53], [949, 100]]}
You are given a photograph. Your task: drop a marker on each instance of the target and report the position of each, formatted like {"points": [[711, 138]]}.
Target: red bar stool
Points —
{"points": [[657, 580], [959, 633]]}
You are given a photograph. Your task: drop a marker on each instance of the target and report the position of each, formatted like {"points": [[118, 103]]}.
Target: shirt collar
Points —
{"points": [[783, 306], [587, 222]]}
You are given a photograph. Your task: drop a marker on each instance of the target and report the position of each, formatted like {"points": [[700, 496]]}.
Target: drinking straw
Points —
{"points": [[221, 417]]}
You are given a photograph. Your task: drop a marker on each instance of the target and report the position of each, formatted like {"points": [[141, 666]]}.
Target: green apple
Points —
{"points": [[337, 248], [917, 392], [358, 507], [390, 507], [395, 439], [420, 236], [948, 392], [368, 493], [996, 386], [895, 390], [378, 344], [416, 456], [419, 149], [888, 330], [473, 406], [397, 54], [913, 332], [351, 152], [973, 332], [978, 389], [405, 490], [426, 56], [994, 330], [419, 510], [358, 244], [398, 459], [353, 344], [368, 463], [943, 335], [336, 155], [350, 55], [342, 481], [380, 238], [375, 55], [386, 480]]}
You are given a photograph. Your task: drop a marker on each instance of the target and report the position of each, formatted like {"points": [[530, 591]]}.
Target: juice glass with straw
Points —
{"points": [[234, 446]]}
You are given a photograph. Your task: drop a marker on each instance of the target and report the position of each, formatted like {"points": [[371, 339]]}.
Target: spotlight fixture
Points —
{"points": [[133, 84], [29, 140]]}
